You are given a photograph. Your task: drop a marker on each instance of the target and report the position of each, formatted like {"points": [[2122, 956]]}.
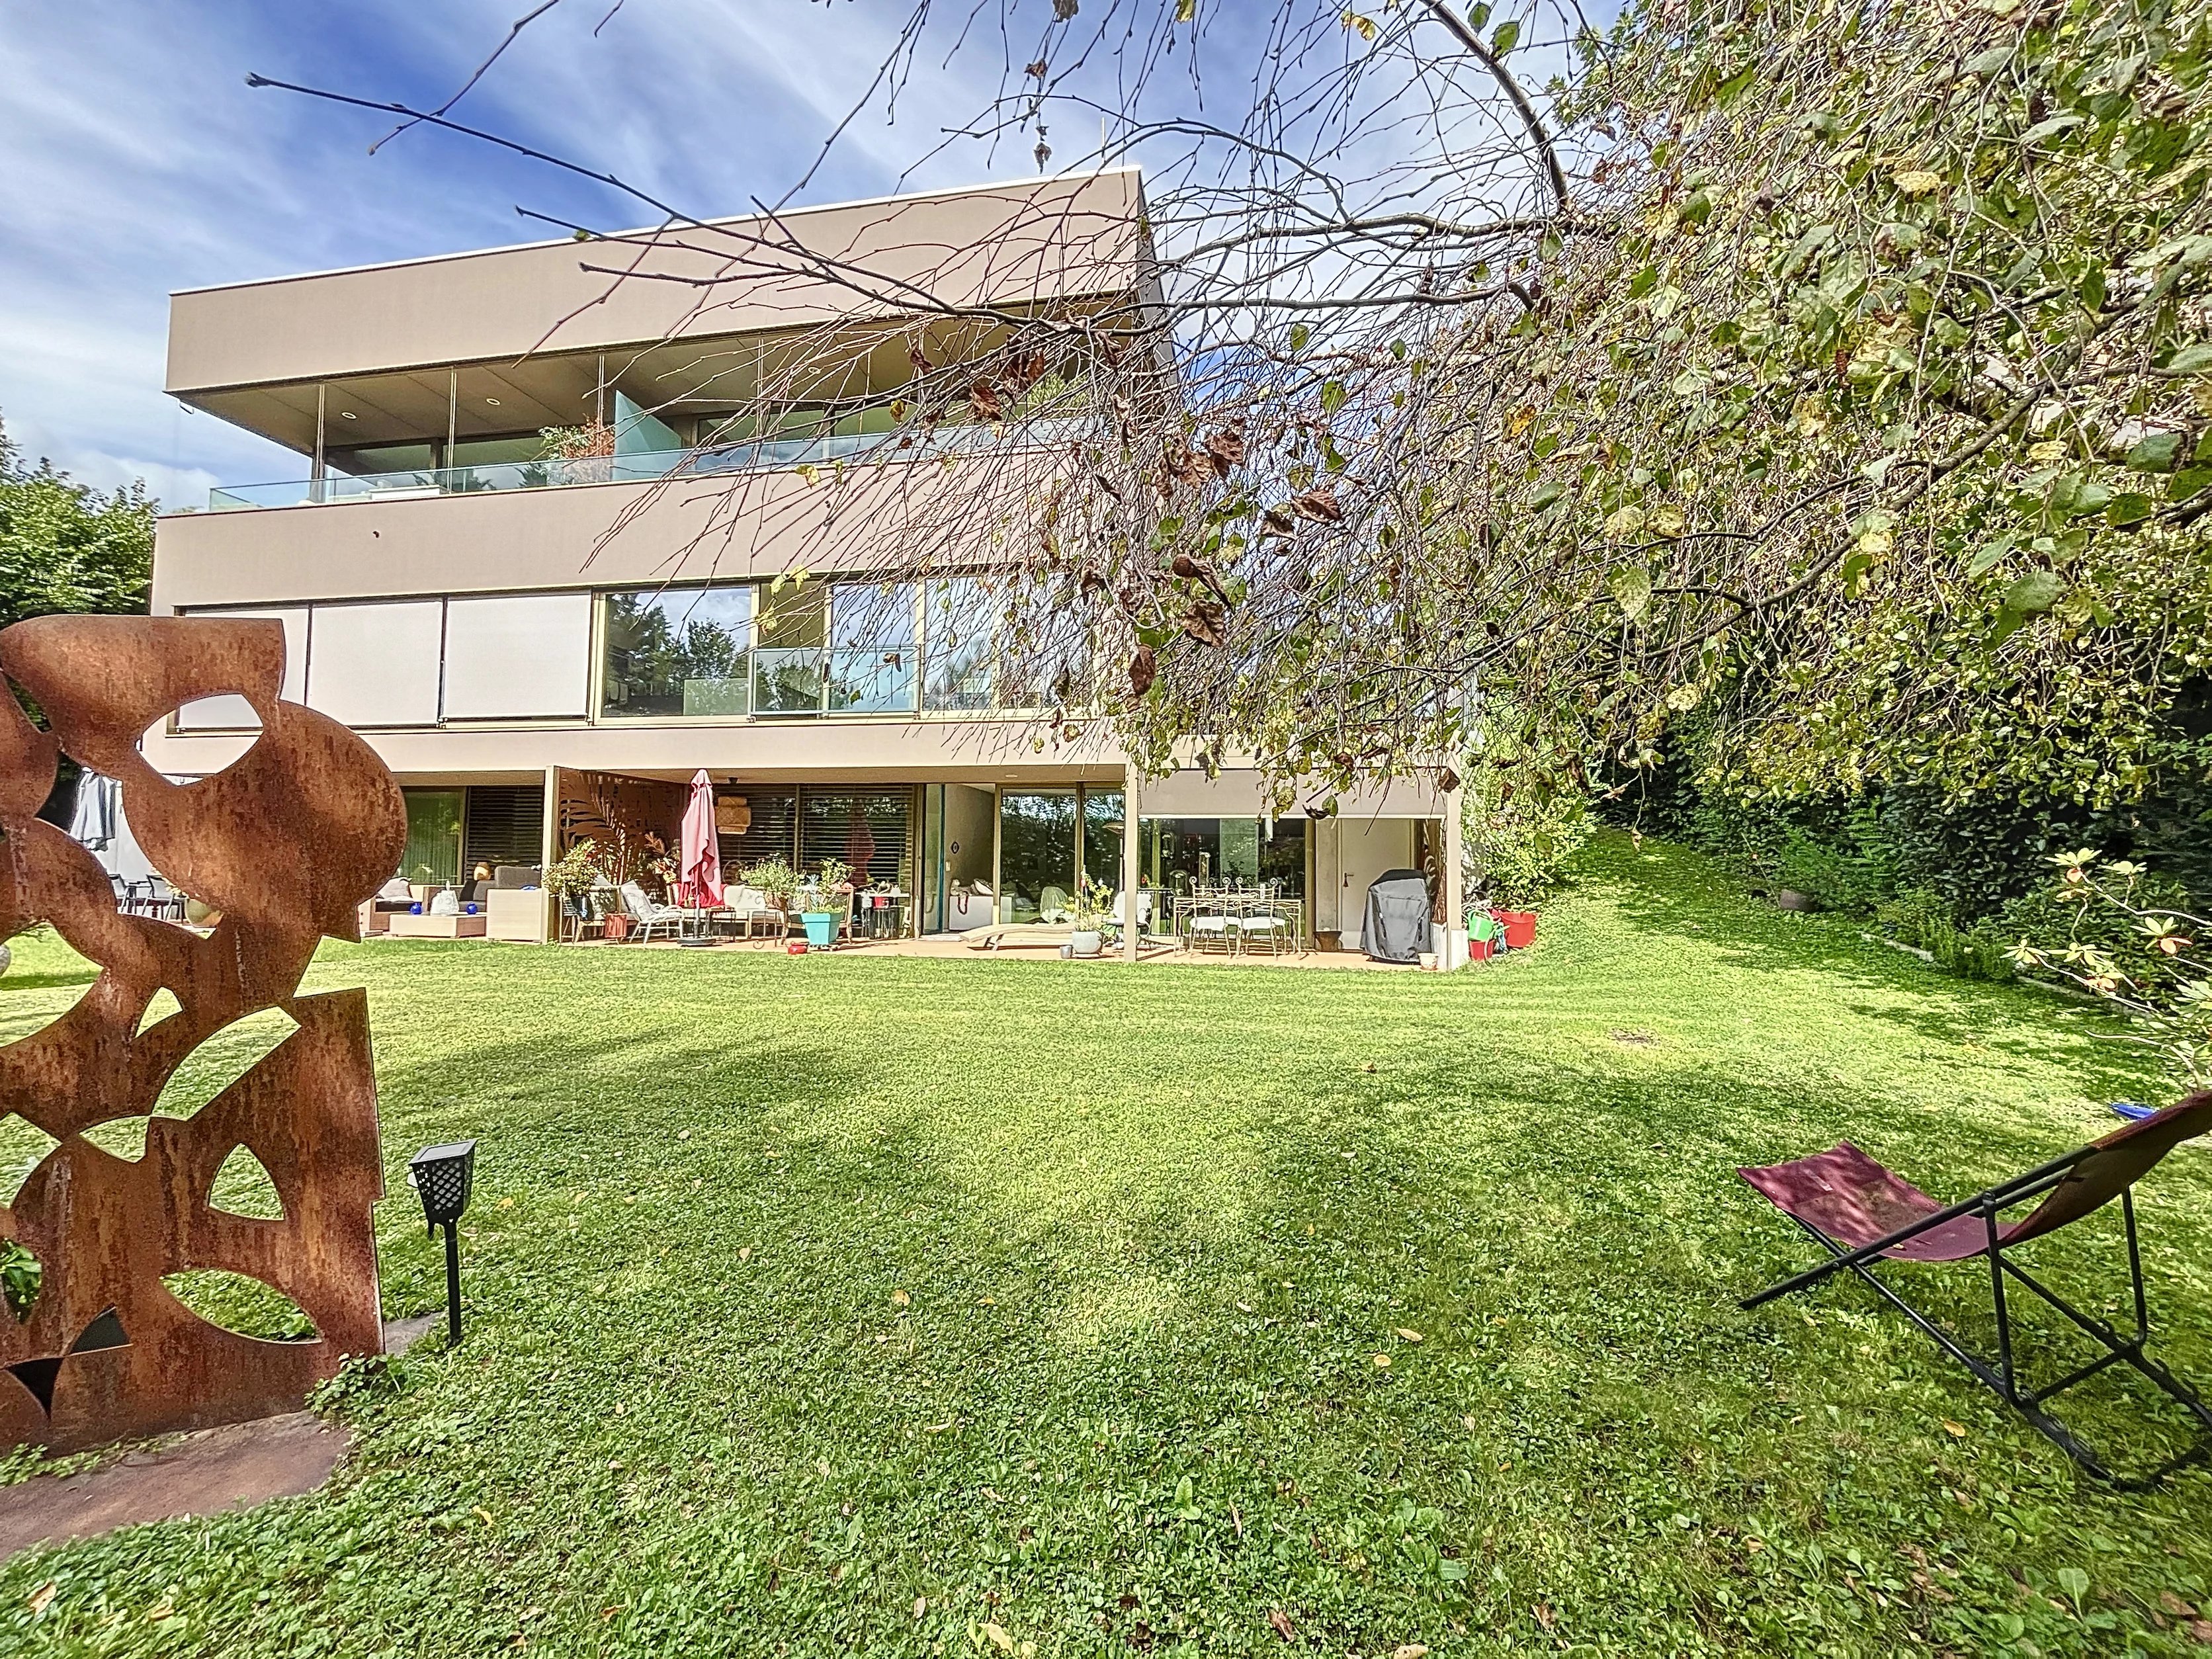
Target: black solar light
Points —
{"points": [[440, 1177]]}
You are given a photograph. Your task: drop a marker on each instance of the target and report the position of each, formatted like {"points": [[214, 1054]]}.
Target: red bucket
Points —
{"points": [[1480, 950], [1520, 928], [796, 947]]}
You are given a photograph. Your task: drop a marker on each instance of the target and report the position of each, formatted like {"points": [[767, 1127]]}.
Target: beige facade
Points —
{"points": [[479, 624]]}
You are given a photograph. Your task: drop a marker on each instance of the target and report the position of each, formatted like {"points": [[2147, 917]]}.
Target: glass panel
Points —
{"points": [[812, 446], [873, 656], [1240, 849], [1179, 853], [792, 627], [962, 616], [787, 682], [384, 457], [506, 823], [433, 858], [1036, 854], [1283, 857], [677, 651], [1102, 838], [867, 829], [493, 452], [794, 615]]}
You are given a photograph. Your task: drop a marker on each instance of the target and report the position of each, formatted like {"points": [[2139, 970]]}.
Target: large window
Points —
{"points": [[871, 647], [961, 622], [1179, 854], [435, 824], [794, 628], [805, 647], [1036, 854], [678, 651]]}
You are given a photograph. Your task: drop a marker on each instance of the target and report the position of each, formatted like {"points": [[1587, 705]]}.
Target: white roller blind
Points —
{"points": [[235, 713], [377, 664], [518, 655]]}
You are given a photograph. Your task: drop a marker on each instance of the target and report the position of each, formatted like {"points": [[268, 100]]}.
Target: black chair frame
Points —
{"points": [[2003, 1377]]}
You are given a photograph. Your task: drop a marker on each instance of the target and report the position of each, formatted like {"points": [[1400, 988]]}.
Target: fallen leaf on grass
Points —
{"points": [[1383, 1362], [507, 1204], [745, 1253], [2202, 1629], [900, 1299], [1000, 1638], [1956, 1431], [921, 1606], [2166, 1599], [1544, 1616], [1279, 1622], [1411, 1650], [40, 1596], [1408, 1336]]}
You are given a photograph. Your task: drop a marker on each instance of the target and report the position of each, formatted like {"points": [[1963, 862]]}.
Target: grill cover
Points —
{"points": [[1396, 927]]}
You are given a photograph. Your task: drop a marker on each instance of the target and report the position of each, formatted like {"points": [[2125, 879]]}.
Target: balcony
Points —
{"points": [[771, 454]]}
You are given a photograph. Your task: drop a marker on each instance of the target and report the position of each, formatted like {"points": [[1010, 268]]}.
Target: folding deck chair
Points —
{"points": [[1859, 1212]]}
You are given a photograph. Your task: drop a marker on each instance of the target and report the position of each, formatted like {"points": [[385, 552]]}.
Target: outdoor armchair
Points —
{"points": [[648, 915], [1860, 1212]]}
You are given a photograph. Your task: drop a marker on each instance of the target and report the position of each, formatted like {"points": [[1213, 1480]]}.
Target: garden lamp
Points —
{"points": [[440, 1177]]}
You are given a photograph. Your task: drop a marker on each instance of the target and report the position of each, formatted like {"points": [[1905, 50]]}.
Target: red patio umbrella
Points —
{"points": [[699, 866]]}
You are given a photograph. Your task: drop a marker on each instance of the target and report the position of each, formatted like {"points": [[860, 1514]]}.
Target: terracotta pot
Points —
{"points": [[617, 927]]}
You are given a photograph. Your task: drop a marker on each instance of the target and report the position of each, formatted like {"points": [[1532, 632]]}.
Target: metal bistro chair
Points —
{"points": [[1265, 927], [1860, 1212]]}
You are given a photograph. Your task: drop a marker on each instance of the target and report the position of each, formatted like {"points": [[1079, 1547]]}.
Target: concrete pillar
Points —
{"points": [[1454, 951], [548, 848], [1133, 864]]}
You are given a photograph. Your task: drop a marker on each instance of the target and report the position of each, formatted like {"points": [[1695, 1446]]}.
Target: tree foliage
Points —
{"points": [[66, 547]]}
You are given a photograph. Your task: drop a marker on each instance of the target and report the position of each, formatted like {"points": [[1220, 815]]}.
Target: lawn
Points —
{"points": [[833, 1304]]}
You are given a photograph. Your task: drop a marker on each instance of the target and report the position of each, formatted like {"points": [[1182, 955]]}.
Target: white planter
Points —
{"points": [[1087, 941]]}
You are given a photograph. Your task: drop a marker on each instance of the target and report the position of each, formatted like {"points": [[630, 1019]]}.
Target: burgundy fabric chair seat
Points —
{"points": [[1846, 1195], [1855, 1201]]}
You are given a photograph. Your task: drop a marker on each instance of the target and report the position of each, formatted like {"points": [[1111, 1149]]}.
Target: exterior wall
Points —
{"points": [[1007, 246], [613, 535], [831, 749]]}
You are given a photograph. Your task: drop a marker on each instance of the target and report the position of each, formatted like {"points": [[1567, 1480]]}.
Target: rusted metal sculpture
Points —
{"points": [[285, 843]]}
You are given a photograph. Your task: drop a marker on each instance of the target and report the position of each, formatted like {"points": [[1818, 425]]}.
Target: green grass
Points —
{"points": [[836, 1304]]}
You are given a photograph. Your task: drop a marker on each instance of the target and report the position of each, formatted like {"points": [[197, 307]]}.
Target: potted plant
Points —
{"points": [[834, 884], [1091, 909], [570, 878], [776, 880]]}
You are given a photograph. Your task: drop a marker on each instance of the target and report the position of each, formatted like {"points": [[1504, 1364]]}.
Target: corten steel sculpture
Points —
{"points": [[285, 844]]}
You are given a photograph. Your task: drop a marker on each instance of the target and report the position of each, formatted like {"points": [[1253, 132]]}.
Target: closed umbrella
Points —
{"points": [[700, 848]]}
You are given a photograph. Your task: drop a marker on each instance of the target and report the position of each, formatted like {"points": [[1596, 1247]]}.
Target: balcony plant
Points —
{"points": [[584, 453]]}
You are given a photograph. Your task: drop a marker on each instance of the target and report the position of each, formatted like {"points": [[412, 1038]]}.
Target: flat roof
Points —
{"points": [[657, 230]]}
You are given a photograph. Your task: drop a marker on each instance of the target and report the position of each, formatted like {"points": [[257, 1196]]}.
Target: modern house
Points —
{"points": [[545, 636]]}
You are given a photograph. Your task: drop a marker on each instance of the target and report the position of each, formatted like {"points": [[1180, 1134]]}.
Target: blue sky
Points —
{"points": [[134, 161]]}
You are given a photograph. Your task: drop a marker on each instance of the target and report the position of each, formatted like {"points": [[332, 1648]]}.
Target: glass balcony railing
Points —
{"points": [[762, 455]]}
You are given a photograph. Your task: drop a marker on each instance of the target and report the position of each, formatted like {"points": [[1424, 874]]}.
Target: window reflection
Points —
{"points": [[677, 651]]}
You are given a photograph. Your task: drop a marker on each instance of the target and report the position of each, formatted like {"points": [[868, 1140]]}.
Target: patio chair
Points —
{"points": [[1213, 932], [748, 905], [648, 915], [1859, 1212]]}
